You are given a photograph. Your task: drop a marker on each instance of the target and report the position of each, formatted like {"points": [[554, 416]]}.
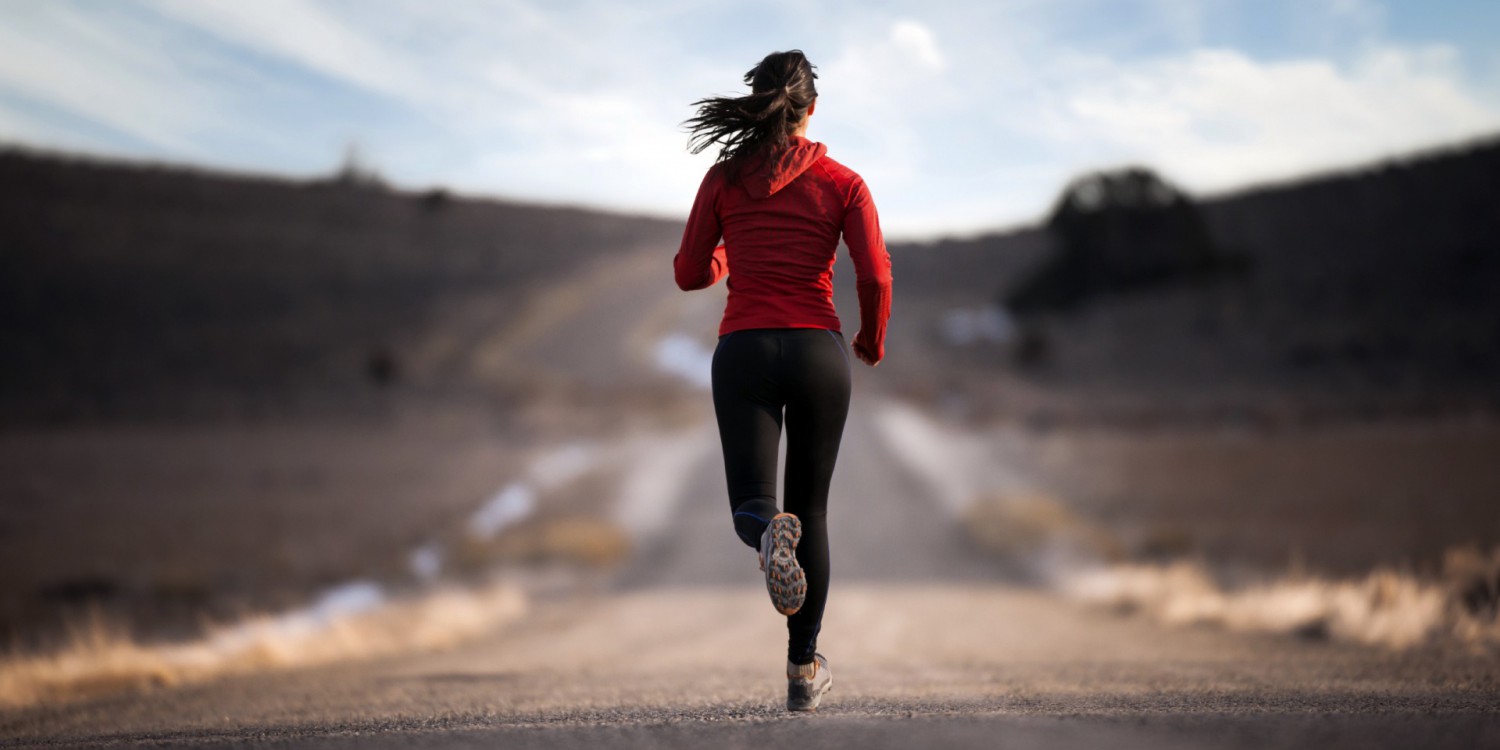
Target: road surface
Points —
{"points": [[930, 647]]}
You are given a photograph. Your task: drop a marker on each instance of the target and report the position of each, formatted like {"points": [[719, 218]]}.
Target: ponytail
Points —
{"points": [[781, 90]]}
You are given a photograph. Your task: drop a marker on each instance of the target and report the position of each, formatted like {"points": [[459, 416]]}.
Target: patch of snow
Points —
{"points": [[426, 561], [681, 355], [657, 474], [563, 465], [967, 326], [511, 504], [948, 462], [338, 602]]}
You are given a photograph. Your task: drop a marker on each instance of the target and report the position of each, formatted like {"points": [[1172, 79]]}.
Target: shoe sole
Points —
{"points": [[785, 580]]}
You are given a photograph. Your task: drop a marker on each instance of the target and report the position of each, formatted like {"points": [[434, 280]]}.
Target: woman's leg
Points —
{"points": [[757, 374], [748, 404], [817, 403]]}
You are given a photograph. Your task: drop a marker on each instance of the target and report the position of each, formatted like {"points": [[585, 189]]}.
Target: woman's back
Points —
{"points": [[781, 220]]}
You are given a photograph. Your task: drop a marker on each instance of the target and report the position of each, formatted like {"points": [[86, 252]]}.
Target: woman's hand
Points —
{"points": [[864, 353]]}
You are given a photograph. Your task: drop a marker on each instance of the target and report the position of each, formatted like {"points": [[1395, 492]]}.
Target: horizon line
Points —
{"points": [[103, 159]]}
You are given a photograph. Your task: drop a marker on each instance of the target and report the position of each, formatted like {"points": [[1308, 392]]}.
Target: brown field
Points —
{"points": [[174, 526], [1340, 498]]}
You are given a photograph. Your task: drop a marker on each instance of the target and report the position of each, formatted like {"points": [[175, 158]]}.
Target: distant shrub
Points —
{"points": [[382, 367], [436, 199], [355, 172], [1116, 232]]}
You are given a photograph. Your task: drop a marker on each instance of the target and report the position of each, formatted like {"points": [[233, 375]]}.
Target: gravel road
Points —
{"points": [[930, 647]]}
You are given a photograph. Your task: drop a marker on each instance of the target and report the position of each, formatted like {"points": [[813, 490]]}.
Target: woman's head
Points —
{"points": [[781, 95]]}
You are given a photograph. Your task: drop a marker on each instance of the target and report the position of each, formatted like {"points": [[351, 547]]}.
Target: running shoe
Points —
{"points": [[785, 580], [806, 684]]}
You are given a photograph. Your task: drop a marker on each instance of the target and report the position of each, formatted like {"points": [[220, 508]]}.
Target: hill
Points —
{"points": [[131, 291], [1358, 294]]}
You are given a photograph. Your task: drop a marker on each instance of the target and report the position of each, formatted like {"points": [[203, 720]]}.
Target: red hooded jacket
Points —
{"points": [[780, 226]]}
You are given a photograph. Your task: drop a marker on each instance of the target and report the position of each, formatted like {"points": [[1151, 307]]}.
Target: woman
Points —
{"points": [[780, 206]]}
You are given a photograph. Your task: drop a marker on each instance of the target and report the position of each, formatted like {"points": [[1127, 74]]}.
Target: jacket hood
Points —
{"points": [[764, 176]]}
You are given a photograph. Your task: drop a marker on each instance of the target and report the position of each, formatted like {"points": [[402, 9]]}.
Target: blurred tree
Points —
{"points": [[356, 172], [382, 367], [436, 199], [1115, 232]]}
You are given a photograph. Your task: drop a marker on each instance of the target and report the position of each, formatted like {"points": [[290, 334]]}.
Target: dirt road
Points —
{"points": [[929, 645]]}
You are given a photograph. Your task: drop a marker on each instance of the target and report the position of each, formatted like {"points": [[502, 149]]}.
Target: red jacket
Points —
{"points": [[781, 226]]}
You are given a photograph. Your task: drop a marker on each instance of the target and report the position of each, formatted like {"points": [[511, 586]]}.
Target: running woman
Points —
{"points": [[780, 206]]}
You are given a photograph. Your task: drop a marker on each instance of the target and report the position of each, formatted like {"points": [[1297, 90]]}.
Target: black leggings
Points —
{"points": [[761, 378]]}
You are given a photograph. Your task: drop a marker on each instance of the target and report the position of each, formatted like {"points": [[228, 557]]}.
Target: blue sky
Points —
{"points": [[962, 116]]}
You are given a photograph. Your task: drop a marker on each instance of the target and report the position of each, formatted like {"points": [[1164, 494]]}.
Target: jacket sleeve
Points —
{"points": [[700, 261], [872, 269]]}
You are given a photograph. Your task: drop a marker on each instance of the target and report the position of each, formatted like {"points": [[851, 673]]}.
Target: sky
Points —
{"points": [[962, 117]]}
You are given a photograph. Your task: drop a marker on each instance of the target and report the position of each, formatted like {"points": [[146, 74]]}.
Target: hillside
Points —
{"points": [[1363, 294], [136, 291], [223, 394]]}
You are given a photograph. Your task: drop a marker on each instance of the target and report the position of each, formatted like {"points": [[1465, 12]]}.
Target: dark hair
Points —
{"points": [[781, 90]]}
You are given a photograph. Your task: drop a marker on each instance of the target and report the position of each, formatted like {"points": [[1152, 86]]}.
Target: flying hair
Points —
{"points": [[781, 90]]}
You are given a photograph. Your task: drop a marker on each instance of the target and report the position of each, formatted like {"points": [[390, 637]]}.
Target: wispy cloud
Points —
{"points": [[106, 67], [1217, 118], [304, 33], [961, 116], [917, 44]]}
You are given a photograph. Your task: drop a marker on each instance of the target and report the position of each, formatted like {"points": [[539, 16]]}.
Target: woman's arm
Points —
{"points": [[872, 271], [700, 261]]}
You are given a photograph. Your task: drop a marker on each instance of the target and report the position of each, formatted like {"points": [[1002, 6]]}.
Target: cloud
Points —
{"points": [[1217, 119], [306, 34], [888, 77], [917, 43], [25, 128], [960, 116], [107, 69], [1363, 12]]}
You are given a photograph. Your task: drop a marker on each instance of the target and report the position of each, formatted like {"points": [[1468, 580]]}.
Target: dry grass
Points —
{"points": [[101, 658], [1383, 608], [1034, 527], [579, 540]]}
